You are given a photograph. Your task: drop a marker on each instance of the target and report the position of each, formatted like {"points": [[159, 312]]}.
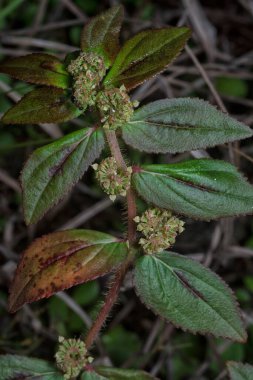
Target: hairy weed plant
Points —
{"points": [[99, 77]]}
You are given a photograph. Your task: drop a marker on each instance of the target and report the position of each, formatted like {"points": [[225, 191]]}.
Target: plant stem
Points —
{"points": [[113, 293], [110, 299], [131, 214], [131, 203], [115, 149]]}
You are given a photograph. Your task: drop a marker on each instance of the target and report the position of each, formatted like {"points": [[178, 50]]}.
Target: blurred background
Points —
{"points": [[217, 66]]}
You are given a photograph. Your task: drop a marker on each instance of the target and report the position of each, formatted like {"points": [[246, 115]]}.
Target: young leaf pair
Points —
{"points": [[141, 57]]}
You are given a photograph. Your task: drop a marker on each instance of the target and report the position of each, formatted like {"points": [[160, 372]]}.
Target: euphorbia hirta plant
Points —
{"points": [[99, 77]]}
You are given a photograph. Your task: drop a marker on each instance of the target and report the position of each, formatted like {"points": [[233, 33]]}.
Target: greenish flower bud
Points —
{"points": [[88, 70], [115, 107], [160, 229], [113, 179], [72, 357]]}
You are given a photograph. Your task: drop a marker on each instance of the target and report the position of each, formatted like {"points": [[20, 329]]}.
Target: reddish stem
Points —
{"points": [[113, 292], [115, 149], [110, 300]]}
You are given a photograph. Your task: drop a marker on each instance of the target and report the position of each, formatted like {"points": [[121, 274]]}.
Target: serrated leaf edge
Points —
{"points": [[233, 298]]}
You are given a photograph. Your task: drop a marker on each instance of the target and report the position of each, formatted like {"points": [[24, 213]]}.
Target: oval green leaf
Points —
{"points": [[179, 125], [239, 371], [42, 105], [52, 171], [21, 367], [123, 374], [203, 189], [189, 295], [37, 68], [101, 34], [61, 260], [145, 55]]}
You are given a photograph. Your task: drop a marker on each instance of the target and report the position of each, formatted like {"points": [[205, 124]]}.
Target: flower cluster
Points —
{"points": [[160, 229], [71, 357], [115, 107], [113, 179], [88, 70]]}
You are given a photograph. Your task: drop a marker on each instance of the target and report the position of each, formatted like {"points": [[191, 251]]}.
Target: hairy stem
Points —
{"points": [[115, 149], [113, 293], [110, 300]]}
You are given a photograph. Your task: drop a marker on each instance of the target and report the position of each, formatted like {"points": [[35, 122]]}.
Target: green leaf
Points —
{"points": [[239, 371], [123, 374], [203, 189], [178, 125], [42, 105], [61, 260], [52, 171], [13, 367], [91, 375], [38, 68], [188, 295], [145, 55], [101, 34]]}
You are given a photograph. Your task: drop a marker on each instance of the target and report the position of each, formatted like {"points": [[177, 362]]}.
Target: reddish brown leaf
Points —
{"points": [[42, 105], [63, 259], [38, 68], [145, 55], [101, 34]]}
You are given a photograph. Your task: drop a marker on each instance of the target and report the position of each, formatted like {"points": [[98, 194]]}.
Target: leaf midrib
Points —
{"points": [[205, 283], [199, 187], [121, 68], [176, 126], [75, 147]]}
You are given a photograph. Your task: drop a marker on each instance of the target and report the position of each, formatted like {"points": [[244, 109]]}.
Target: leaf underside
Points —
{"points": [[189, 295], [101, 34], [37, 68], [42, 105], [203, 189], [145, 55], [61, 260], [51, 171], [23, 368], [179, 125], [239, 371]]}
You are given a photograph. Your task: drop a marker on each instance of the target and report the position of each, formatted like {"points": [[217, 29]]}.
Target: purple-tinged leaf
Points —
{"points": [[52, 171], [189, 295], [61, 260], [145, 55], [42, 105], [178, 125], [101, 34], [202, 189], [37, 68]]}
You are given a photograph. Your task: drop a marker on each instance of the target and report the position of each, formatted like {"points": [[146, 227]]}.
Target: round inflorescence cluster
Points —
{"points": [[115, 107], [160, 229], [88, 69], [112, 178], [71, 357]]}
